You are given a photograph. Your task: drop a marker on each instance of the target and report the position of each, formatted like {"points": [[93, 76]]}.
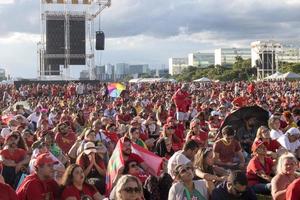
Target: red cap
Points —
{"points": [[256, 144], [43, 159], [238, 101]]}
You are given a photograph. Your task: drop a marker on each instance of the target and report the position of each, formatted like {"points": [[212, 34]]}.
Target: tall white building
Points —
{"points": [[176, 65], [289, 55], [121, 68], [2, 74], [227, 56], [199, 59]]}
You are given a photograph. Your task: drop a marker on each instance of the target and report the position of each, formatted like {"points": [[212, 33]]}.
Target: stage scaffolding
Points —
{"points": [[88, 10]]}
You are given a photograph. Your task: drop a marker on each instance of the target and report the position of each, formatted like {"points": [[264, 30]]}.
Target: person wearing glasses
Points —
{"points": [[75, 187], [129, 188], [65, 137], [40, 185], [186, 187], [235, 187], [227, 151]]}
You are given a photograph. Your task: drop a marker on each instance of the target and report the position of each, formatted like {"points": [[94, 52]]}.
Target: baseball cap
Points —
{"points": [[89, 147], [43, 159]]}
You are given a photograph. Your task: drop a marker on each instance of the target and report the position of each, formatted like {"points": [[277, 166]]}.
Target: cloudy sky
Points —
{"points": [[151, 31]]}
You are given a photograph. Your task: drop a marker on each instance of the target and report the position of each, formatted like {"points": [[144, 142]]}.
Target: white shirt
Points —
{"points": [[290, 146], [33, 117], [275, 134], [177, 159]]}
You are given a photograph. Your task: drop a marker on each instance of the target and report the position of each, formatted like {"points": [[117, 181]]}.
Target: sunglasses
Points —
{"points": [[133, 165], [132, 189]]}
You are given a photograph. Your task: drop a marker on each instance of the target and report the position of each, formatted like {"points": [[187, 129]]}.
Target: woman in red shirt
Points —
{"points": [[259, 169], [263, 134], [196, 133], [75, 187]]}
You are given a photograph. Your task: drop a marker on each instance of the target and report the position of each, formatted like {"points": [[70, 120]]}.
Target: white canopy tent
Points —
{"points": [[289, 76], [203, 79], [273, 76]]}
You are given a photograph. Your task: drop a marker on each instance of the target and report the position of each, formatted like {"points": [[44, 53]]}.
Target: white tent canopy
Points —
{"points": [[203, 79], [288, 76], [273, 76]]}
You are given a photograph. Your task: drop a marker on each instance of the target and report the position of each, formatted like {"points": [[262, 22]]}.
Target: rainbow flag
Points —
{"points": [[116, 161], [115, 89]]}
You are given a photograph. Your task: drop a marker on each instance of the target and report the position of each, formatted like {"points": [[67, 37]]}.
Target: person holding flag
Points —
{"points": [[126, 151]]}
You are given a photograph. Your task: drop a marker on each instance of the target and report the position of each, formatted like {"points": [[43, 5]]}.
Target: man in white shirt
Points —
{"points": [[183, 157]]}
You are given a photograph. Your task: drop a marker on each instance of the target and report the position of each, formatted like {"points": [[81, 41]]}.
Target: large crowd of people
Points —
{"points": [[156, 141]]}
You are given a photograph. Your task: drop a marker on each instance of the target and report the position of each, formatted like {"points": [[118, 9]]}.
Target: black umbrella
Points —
{"points": [[238, 118]]}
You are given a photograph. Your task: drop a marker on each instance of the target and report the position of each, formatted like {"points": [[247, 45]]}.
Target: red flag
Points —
{"points": [[116, 161]]}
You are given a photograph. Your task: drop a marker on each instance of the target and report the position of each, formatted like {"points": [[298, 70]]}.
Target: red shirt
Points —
{"points": [[255, 166], [7, 193], [35, 189], [273, 145], [227, 152], [18, 155], [293, 190], [72, 191], [181, 100], [65, 142], [112, 136]]}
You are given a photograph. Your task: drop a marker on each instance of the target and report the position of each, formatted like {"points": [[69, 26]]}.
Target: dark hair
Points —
{"points": [[296, 111], [67, 178], [132, 129], [237, 177], [190, 145], [228, 130], [126, 166]]}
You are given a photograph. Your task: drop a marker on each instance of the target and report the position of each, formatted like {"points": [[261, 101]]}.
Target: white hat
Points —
{"points": [[215, 113], [293, 131], [89, 147]]}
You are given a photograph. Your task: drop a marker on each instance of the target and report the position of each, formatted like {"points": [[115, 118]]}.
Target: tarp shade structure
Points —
{"points": [[68, 1], [289, 76], [203, 79], [273, 76]]}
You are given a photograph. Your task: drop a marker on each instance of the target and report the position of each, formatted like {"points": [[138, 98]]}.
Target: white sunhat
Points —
{"points": [[89, 147]]}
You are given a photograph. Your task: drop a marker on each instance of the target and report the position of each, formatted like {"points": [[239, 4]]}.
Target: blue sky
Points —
{"points": [[151, 31]]}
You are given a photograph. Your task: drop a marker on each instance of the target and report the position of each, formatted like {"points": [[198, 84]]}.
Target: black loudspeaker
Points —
{"points": [[100, 40]]}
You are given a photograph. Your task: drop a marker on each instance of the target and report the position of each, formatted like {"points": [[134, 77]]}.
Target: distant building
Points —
{"points": [[121, 68], [138, 69], [3, 74], [198, 59], [227, 56], [176, 65], [109, 69], [84, 75], [289, 55]]}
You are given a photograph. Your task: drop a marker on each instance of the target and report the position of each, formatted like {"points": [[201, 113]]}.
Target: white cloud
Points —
{"points": [[19, 38], [7, 1]]}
